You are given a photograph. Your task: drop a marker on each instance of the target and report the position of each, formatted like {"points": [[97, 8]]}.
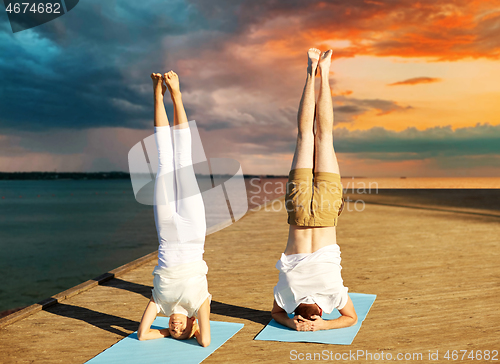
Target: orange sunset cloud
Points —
{"points": [[416, 81], [440, 30]]}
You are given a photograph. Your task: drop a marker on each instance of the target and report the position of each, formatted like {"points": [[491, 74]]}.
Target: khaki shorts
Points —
{"points": [[313, 199]]}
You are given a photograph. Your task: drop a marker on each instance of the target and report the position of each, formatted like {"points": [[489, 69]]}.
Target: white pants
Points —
{"points": [[178, 209]]}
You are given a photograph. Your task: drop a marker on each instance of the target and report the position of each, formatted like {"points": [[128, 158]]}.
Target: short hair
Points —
{"points": [[308, 310]]}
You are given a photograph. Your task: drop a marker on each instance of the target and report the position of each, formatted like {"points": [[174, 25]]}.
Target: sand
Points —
{"points": [[433, 265]]}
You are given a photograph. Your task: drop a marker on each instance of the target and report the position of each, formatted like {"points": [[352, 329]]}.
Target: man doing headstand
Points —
{"points": [[310, 282]]}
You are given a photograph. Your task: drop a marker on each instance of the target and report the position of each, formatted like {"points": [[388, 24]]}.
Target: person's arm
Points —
{"points": [[145, 332], [297, 323], [202, 335], [348, 318]]}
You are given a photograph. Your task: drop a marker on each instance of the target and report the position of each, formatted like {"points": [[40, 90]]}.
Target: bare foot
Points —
{"points": [[325, 62], [172, 81], [158, 87], [313, 55]]}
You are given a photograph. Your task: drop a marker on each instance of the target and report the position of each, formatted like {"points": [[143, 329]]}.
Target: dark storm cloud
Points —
{"points": [[351, 107], [378, 143], [382, 144], [88, 69]]}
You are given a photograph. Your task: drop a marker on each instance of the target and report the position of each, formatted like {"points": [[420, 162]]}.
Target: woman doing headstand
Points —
{"points": [[180, 284]]}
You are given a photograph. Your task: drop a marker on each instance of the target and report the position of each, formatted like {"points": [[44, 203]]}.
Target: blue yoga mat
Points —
{"points": [[276, 332], [132, 351]]}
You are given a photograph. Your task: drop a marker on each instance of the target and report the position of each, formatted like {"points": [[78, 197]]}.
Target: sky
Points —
{"points": [[415, 84]]}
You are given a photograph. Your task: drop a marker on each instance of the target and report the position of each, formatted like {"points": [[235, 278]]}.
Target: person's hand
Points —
{"points": [[318, 323], [195, 329], [302, 324]]}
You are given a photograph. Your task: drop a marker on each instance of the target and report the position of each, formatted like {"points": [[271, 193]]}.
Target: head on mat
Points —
{"points": [[181, 327], [310, 281], [308, 310]]}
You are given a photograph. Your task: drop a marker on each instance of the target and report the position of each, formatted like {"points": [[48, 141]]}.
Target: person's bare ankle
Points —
{"points": [[172, 82], [325, 62], [313, 55], [175, 94], [158, 87], [158, 96]]}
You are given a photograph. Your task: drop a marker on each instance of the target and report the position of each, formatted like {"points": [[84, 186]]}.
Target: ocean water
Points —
{"points": [[56, 234]]}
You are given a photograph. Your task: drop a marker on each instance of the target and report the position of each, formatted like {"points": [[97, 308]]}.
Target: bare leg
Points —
{"points": [[304, 150], [180, 118], [325, 158], [299, 238], [159, 90]]}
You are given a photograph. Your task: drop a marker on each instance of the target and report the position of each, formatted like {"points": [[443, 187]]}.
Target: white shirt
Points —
{"points": [[181, 289], [311, 278]]}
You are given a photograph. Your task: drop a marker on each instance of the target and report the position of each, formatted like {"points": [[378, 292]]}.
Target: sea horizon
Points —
{"points": [[349, 182]]}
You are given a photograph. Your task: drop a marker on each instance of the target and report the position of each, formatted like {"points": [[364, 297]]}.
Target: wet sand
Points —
{"points": [[432, 261]]}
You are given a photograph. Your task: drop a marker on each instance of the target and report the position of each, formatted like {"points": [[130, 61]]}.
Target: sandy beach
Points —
{"points": [[431, 257]]}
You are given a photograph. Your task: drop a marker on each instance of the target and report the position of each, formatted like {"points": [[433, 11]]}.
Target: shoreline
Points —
{"points": [[480, 202], [19, 313], [348, 181], [465, 201], [477, 202], [434, 292], [26, 311]]}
